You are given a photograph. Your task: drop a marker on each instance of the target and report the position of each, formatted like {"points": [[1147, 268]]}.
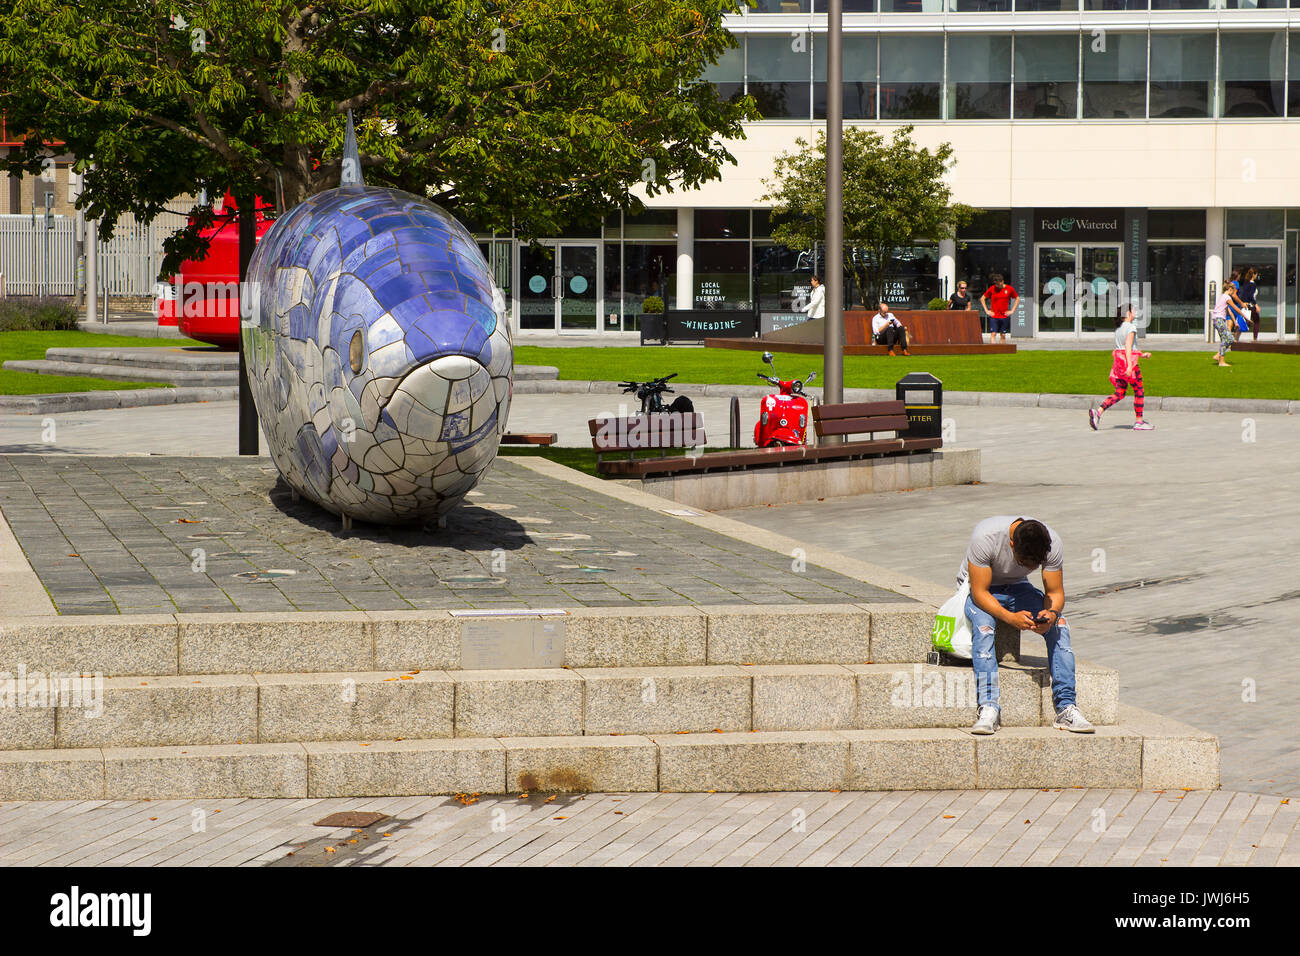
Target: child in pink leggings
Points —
{"points": [[1125, 372]]}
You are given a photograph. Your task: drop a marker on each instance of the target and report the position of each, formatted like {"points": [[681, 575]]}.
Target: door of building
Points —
{"points": [[1077, 286], [1266, 257], [559, 287]]}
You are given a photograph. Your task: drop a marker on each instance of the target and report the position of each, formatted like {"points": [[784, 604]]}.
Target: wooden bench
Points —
{"points": [[529, 438], [666, 432]]}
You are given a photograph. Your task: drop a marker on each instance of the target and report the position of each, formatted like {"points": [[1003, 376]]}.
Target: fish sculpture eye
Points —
{"points": [[356, 352]]}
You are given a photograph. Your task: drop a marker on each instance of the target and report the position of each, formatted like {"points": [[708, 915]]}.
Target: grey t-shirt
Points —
{"points": [[990, 547], [1121, 335]]}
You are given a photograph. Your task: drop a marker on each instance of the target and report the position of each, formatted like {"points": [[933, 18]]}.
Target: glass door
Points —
{"points": [[1098, 275], [579, 304], [1266, 258], [1078, 287], [537, 292], [1056, 304]]}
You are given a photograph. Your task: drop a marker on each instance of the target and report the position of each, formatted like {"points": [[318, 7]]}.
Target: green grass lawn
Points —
{"points": [[32, 345], [1253, 375]]}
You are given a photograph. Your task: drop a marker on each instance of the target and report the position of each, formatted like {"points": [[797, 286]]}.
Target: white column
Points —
{"points": [[1214, 249], [947, 267], [685, 259], [92, 263]]}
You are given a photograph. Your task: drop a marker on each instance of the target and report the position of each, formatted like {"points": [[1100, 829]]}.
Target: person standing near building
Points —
{"points": [[1248, 293], [960, 300], [1224, 321], [999, 300], [1125, 371], [816, 305], [887, 330]]}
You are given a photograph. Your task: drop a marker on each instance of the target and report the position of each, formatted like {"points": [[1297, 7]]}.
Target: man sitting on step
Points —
{"points": [[1003, 551]]}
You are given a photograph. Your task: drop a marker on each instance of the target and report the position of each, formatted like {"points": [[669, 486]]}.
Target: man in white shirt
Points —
{"points": [[816, 307], [887, 330]]}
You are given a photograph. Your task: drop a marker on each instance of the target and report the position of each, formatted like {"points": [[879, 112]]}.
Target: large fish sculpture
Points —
{"points": [[378, 354]]}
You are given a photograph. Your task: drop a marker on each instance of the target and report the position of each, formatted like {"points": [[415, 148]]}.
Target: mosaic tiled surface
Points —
{"points": [[376, 354], [126, 534]]}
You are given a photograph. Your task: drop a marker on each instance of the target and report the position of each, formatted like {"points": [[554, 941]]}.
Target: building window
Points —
{"points": [[780, 276], [722, 276], [1293, 77], [721, 224], [1176, 271], [614, 289], [979, 76], [1182, 75], [980, 6], [1047, 76], [1049, 5], [780, 75], [782, 6], [651, 224], [1182, 4], [648, 269], [1114, 75], [1253, 223], [1176, 223], [1251, 68], [913, 277], [859, 77], [728, 74], [1115, 4], [911, 77]]}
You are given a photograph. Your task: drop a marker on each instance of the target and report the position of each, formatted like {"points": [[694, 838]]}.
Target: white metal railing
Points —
{"points": [[37, 261]]}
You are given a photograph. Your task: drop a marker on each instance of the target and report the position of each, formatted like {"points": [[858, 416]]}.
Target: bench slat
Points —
{"points": [[912, 444], [856, 426], [855, 449], [857, 410]]}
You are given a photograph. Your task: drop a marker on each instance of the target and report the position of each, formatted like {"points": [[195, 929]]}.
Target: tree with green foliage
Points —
{"points": [[524, 114], [895, 194]]}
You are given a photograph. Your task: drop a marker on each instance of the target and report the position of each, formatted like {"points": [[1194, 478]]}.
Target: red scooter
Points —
{"points": [[782, 418]]}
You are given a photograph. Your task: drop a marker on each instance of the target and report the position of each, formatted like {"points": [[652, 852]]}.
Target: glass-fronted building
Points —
{"points": [[1154, 143]]}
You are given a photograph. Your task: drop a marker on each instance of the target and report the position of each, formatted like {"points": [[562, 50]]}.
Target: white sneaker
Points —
{"points": [[988, 722], [1071, 718]]}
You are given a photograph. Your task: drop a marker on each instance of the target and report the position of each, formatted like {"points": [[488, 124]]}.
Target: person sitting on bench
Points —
{"points": [[887, 330]]}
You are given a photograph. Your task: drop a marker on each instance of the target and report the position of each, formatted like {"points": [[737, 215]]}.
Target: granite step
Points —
{"points": [[541, 702], [1142, 751], [203, 359], [126, 373], [122, 645]]}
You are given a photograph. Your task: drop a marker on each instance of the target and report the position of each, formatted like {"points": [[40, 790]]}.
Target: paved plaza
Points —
{"points": [[1176, 573], [165, 535], [944, 827]]}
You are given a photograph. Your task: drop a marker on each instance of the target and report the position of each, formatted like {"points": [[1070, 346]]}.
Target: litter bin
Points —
{"points": [[922, 394]]}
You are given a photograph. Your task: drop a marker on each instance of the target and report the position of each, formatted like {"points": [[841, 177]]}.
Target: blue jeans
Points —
{"points": [[1060, 657]]}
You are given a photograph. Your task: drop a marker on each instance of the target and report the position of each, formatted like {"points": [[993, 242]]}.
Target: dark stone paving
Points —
{"points": [[157, 535]]}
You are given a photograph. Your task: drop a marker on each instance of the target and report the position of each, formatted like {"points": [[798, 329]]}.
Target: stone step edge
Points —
{"points": [[125, 373], [1167, 403], [273, 708], [149, 357], [328, 641], [1145, 751], [52, 402]]}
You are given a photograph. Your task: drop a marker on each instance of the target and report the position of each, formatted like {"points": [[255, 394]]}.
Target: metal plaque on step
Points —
{"points": [[511, 643]]}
